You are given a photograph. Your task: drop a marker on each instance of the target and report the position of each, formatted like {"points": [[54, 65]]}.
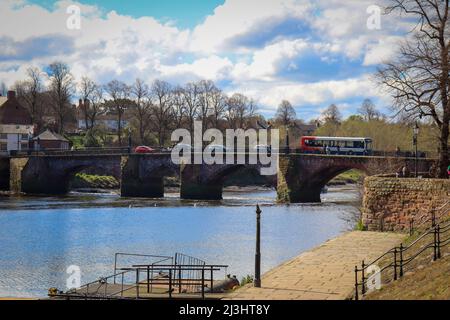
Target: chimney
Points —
{"points": [[11, 94]]}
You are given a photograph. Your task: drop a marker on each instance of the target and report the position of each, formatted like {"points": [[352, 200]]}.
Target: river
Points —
{"points": [[41, 237]]}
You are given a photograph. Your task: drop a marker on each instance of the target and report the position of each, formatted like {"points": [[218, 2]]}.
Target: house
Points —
{"points": [[16, 127], [306, 129], [107, 120], [50, 140]]}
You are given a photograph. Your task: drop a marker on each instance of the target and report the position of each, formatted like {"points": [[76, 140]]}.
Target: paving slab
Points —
{"points": [[323, 273]]}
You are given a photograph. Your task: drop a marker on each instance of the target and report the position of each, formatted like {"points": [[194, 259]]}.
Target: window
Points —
{"points": [[24, 136], [359, 144], [3, 147], [3, 136], [23, 146]]}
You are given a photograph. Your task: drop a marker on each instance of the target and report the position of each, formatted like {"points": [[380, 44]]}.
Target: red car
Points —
{"points": [[144, 149]]}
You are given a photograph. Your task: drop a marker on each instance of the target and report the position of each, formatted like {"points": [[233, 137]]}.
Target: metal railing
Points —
{"points": [[98, 289], [185, 275], [71, 152], [435, 217], [393, 264], [169, 281], [158, 258], [162, 150]]}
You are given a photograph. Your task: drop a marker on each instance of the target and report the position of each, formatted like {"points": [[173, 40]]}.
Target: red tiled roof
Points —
{"points": [[12, 112]]}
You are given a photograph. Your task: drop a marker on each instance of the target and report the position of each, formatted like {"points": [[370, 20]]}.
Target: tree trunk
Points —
{"points": [[443, 156], [119, 128], [141, 129]]}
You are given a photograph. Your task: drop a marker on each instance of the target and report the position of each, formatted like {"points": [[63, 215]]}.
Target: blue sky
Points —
{"points": [[184, 13], [312, 53]]}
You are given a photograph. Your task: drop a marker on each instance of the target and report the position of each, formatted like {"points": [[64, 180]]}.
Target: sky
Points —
{"points": [[312, 53]]}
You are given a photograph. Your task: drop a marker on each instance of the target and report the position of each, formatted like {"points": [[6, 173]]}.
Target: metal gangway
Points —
{"points": [[161, 277]]}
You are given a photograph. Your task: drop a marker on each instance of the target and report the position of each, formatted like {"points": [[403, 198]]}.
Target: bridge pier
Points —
{"points": [[143, 176], [133, 186], [4, 174], [34, 176], [293, 186], [195, 184]]}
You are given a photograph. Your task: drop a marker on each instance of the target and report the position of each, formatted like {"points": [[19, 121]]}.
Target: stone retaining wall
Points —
{"points": [[390, 203]]}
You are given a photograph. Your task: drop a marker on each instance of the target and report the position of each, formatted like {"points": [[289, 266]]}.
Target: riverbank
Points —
{"points": [[323, 273]]}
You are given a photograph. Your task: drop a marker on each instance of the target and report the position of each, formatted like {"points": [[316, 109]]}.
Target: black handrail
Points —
{"points": [[399, 262]]}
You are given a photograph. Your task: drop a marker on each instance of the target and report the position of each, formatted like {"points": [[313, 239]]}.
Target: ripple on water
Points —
{"points": [[41, 237]]}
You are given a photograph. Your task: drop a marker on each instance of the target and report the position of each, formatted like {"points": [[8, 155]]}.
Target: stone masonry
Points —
{"points": [[390, 203], [302, 177]]}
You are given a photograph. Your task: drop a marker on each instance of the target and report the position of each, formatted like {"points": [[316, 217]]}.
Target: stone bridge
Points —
{"points": [[300, 177], [51, 175]]}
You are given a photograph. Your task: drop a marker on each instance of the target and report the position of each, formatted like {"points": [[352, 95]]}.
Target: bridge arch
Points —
{"points": [[52, 174], [302, 177], [143, 175], [206, 182]]}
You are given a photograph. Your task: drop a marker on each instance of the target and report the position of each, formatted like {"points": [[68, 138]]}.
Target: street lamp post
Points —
{"points": [[287, 139], [257, 281], [129, 140], [415, 135]]}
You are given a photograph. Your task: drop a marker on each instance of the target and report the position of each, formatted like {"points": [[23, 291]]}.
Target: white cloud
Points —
{"points": [[110, 45], [210, 68], [236, 17], [311, 93], [382, 51], [266, 62]]}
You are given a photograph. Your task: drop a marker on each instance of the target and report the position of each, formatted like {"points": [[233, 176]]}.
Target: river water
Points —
{"points": [[41, 237]]}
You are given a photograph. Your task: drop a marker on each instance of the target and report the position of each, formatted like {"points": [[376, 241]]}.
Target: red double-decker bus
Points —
{"points": [[336, 145]]}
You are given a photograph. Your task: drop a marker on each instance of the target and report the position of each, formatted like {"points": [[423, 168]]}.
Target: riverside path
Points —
{"points": [[323, 273]]}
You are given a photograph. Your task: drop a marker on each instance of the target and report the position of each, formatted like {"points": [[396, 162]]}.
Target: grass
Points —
{"points": [[350, 176], [360, 226], [423, 278], [83, 180], [246, 280], [430, 280]]}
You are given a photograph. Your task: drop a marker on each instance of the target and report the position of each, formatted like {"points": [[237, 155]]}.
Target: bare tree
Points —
{"points": [[119, 93], [207, 88], [368, 110], [95, 105], [218, 105], [192, 100], [162, 112], [140, 92], [179, 106], [88, 89], [419, 77], [239, 109], [30, 92], [62, 87], [286, 114], [332, 115]]}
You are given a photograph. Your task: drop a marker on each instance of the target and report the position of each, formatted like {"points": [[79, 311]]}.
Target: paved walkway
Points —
{"points": [[326, 272]]}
